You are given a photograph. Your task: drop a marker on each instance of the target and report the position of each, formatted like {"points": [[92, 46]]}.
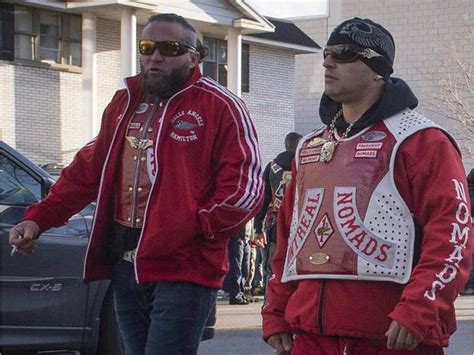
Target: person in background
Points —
{"points": [[234, 281], [277, 175], [175, 170], [374, 233]]}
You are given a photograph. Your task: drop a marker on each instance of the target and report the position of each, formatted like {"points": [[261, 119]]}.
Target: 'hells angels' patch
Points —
{"points": [[185, 126]]}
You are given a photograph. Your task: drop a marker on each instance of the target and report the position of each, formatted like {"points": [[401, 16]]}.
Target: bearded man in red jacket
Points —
{"points": [[374, 233], [175, 170]]}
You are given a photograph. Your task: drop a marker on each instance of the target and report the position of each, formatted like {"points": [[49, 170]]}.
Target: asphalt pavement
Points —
{"points": [[238, 330], [248, 316]]}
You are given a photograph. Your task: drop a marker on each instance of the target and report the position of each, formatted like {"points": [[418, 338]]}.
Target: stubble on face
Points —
{"points": [[351, 83]]}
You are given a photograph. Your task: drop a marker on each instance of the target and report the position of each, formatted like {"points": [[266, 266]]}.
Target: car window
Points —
{"points": [[17, 186]]}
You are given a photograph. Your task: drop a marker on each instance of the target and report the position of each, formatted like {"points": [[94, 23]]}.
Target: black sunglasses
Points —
{"points": [[166, 48], [346, 53]]}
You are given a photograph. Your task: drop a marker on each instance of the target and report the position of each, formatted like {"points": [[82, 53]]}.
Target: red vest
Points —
{"points": [[349, 220]]}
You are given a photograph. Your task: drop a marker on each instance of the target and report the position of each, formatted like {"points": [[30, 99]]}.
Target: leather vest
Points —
{"points": [[349, 220], [137, 169]]}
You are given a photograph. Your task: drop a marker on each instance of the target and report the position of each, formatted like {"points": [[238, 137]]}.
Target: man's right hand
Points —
{"points": [[281, 342], [23, 236], [260, 240]]}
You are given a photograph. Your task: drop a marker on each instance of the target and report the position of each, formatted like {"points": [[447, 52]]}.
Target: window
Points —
{"points": [[6, 31], [47, 36], [215, 64], [16, 185]]}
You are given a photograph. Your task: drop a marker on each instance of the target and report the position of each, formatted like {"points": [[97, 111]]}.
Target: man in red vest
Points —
{"points": [[374, 234]]}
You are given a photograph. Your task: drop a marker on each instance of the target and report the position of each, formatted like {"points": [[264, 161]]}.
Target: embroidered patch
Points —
{"points": [[142, 108], [312, 203], [362, 146], [310, 151], [373, 136], [185, 124], [310, 159], [364, 243], [135, 125], [323, 230], [366, 154]]}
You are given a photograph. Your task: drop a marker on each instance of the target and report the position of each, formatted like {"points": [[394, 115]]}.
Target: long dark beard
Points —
{"points": [[162, 87]]}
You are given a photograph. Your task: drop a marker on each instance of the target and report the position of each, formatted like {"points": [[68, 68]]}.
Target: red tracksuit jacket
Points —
{"points": [[207, 184]]}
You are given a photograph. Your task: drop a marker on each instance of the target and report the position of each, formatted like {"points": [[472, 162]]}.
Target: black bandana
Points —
{"points": [[365, 33]]}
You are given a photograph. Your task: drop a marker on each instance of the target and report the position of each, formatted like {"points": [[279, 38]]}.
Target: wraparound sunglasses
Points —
{"points": [[166, 48], [346, 53]]}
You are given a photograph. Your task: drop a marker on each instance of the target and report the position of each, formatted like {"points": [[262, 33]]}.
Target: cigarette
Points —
{"points": [[14, 250]]}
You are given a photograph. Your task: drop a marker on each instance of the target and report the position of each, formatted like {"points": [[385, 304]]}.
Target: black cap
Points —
{"points": [[365, 33]]}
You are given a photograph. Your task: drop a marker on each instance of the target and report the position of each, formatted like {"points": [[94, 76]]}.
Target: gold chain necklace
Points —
{"points": [[329, 147]]}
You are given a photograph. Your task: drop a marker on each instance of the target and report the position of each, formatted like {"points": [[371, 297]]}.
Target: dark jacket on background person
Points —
{"points": [[273, 177]]}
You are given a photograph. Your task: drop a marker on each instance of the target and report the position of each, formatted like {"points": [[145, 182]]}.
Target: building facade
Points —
{"points": [[61, 63]]}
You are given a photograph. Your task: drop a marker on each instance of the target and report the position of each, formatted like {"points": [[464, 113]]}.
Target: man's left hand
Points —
{"points": [[399, 338]]}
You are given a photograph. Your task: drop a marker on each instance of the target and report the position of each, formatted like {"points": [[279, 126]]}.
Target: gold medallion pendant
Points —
{"points": [[327, 151], [328, 148]]}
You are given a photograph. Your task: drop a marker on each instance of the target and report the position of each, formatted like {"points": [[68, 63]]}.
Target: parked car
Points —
{"points": [[44, 305]]}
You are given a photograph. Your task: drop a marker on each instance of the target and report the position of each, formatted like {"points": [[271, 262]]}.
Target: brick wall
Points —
{"points": [[7, 100], [41, 111], [109, 65], [271, 97], [423, 32]]}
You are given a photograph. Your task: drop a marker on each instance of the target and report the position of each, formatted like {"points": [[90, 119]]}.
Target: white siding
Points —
{"points": [[271, 97]]}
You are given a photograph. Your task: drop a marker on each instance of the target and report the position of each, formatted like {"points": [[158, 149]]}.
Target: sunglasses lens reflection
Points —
{"points": [[146, 47], [341, 53], [170, 49], [166, 48]]}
